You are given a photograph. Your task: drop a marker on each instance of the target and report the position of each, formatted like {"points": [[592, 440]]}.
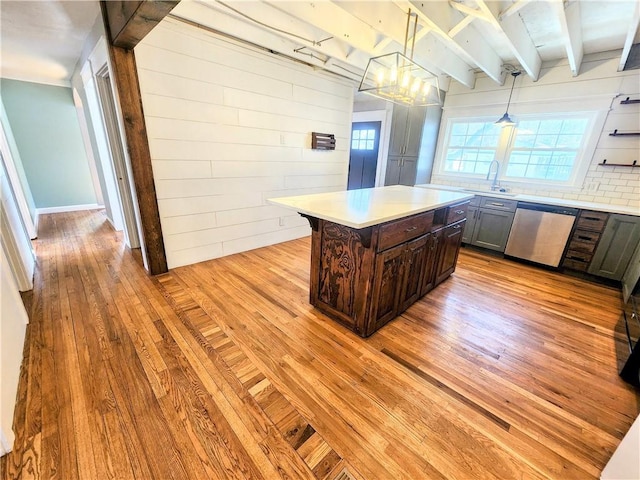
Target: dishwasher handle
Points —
{"points": [[548, 208]]}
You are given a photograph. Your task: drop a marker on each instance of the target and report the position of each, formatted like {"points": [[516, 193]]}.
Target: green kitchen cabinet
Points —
{"points": [[615, 249], [489, 223], [404, 145]]}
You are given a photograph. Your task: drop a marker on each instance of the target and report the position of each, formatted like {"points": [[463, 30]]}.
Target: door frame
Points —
{"points": [[118, 155], [384, 117], [14, 181]]}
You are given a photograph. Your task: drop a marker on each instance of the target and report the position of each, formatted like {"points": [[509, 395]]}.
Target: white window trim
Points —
{"points": [[596, 109]]}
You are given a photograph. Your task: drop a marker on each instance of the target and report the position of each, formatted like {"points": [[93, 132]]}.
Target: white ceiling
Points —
{"points": [[42, 41], [455, 39]]}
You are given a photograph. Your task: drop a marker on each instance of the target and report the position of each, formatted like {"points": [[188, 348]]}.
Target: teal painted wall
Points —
{"points": [[47, 133]]}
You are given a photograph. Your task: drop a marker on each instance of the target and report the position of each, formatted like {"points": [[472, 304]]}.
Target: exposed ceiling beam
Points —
{"points": [[214, 17], [571, 31], [362, 31], [468, 11], [467, 42], [513, 8], [631, 33], [461, 25], [130, 21], [516, 36]]}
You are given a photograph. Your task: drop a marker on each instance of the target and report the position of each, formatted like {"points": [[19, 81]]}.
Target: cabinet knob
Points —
{"points": [[459, 212], [457, 227], [411, 229]]}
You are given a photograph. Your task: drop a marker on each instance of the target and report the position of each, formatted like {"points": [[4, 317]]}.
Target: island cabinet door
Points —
{"points": [[413, 268], [448, 251], [430, 261], [386, 287]]}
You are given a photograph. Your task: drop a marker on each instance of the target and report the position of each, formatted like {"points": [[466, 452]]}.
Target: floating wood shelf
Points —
{"points": [[624, 134], [628, 101], [605, 164]]}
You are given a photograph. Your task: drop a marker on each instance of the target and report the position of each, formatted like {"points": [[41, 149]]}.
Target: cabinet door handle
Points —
{"points": [[595, 219], [411, 229], [459, 212], [583, 237], [457, 227], [496, 204]]}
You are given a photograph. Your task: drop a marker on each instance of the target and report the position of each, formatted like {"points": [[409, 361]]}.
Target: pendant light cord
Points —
{"points": [[514, 75]]}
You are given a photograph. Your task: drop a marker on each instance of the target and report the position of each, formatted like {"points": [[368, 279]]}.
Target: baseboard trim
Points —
{"points": [[68, 208]]}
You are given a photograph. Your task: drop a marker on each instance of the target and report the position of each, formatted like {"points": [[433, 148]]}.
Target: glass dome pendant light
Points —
{"points": [[505, 120]]}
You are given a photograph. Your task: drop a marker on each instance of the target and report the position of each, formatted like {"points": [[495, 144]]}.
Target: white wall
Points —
{"points": [[13, 326], [598, 83], [230, 126]]}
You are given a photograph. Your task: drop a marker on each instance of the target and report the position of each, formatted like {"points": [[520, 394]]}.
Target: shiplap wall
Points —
{"points": [[230, 126], [598, 82]]}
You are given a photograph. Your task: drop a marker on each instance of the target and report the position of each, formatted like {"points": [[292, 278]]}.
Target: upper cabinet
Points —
{"points": [[406, 131]]}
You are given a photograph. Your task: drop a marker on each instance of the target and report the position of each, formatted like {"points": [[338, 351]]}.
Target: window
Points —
{"points": [[363, 139], [540, 148], [546, 149], [472, 147]]}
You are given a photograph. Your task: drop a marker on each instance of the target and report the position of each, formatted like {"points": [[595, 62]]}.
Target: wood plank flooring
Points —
{"points": [[223, 370]]}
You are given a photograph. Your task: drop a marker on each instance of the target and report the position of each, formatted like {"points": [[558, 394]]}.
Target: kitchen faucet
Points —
{"points": [[494, 184]]}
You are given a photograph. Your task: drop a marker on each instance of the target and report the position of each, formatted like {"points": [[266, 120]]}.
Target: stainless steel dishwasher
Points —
{"points": [[539, 233]]}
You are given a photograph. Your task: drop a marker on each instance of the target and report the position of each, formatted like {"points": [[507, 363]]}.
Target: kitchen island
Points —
{"points": [[376, 251]]}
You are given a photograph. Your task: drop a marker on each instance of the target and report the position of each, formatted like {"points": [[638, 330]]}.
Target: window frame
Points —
{"points": [[584, 155]]}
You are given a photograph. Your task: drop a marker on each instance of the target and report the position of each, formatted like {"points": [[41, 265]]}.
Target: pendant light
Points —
{"points": [[505, 120], [397, 78]]}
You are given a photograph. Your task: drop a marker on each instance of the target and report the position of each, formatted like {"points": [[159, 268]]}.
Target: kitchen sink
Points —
{"points": [[489, 192]]}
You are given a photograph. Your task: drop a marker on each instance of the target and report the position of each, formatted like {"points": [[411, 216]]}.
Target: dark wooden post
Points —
{"points": [[126, 23]]}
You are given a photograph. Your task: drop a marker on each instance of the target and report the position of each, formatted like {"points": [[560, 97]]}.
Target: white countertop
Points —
{"points": [[370, 206], [562, 202]]}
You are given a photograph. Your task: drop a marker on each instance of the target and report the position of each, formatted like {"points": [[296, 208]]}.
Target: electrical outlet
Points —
{"points": [[282, 140], [281, 221]]}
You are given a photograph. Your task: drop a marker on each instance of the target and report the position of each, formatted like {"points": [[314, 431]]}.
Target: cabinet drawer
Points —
{"points": [[578, 256], [584, 241], [458, 212], [399, 231], [594, 221], [579, 265], [498, 204]]}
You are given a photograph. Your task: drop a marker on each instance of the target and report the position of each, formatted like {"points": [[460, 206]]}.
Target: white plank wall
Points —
{"points": [[230, 126], [599, 81]]}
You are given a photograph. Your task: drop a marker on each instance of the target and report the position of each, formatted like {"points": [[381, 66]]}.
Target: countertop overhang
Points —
{"points": [[370, 206]]}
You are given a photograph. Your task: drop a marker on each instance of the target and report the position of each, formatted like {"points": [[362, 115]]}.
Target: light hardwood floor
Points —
{"points": [[223, 370]]}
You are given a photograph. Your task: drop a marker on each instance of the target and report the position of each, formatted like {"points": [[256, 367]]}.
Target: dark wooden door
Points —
{"points": [[386, 286], [363, 159], [448, 255], [429, 272], [413, 266]]}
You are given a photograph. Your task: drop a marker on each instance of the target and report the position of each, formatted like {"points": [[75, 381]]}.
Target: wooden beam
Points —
{"points": [[631, 33], [130, 21], [465, 42], [517, 38], [125, 75], [513, 8], [571, 29], [390, 20]]}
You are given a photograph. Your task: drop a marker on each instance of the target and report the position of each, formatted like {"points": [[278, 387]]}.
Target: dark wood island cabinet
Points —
{"points": [[365, 277]]}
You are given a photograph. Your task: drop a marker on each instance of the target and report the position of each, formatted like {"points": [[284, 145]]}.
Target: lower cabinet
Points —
{"points": [[401, 171], [398, 278], [489, 223], [615, 249], [448, 251]]}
